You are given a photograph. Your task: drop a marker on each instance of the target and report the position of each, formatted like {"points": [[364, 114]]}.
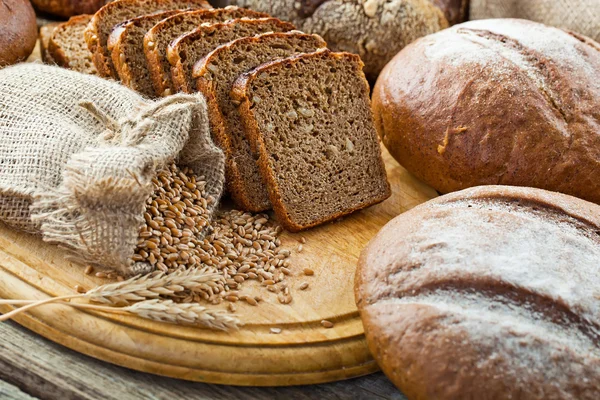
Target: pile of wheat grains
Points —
{"points": [[241, 246]]}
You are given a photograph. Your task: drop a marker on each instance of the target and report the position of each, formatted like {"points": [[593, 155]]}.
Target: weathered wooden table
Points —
{"points": [[33, 367]]}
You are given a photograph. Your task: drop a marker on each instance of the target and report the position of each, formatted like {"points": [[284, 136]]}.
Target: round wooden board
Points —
{"points": [[303, 353]]}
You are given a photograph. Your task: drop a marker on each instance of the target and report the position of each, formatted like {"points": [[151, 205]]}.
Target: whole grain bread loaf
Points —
{"points": [[487, 293], [508, 102], [68, 49], [581, 16], [374, 29], [126, 45], [215, 75], [112, 14], [159, 37], [185, 51], [18, 31], [309, 116], [68, 8]]}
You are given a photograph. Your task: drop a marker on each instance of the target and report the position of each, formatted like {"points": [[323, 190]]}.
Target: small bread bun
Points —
{"points": [[18, 31]]}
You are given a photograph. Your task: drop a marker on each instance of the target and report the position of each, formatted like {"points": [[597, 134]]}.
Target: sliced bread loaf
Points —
{"points": [[215, 75], [162, 34], [311, 120], [46, 32], [67, 47], [112, 14], [126, 44], [185, 51]]}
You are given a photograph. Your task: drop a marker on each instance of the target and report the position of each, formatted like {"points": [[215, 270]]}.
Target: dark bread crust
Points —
{"points": [[159, 66], [457, 303], [181, 75], [18, 31], [507, 102], [205, 84], [96, 36], [240, 93]]}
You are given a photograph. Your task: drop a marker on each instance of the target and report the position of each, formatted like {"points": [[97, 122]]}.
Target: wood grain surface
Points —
{"points": [[304, 352], [33, 366]]}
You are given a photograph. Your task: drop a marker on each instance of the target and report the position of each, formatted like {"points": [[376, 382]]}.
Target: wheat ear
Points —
{"points": [[138, 288]]}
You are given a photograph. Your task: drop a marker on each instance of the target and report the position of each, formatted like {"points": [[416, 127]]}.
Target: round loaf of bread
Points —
{"points": [[508, 102], [18, 31], [68, 8], [488, 293], [374, 29]]}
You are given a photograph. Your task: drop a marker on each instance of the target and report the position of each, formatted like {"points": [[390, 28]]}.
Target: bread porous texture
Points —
{"points": [[310, 118], [187, 50], [67, 48], [159, 37], [116, 12], [215, 76], [126, 44]]}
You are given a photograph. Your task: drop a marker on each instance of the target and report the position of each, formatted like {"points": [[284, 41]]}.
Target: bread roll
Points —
{"points": [[488, 293], [582, 16], [508, 102], [455, 11], [18, 31], [68, 8], [374, 29]]}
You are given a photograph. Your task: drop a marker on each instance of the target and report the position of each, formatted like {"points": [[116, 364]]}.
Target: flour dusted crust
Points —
{"points": [[508, 102], [374, 29], [488, 293]]}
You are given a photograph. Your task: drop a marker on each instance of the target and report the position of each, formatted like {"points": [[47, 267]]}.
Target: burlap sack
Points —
{"points": [[77, 155], [581, 16]]}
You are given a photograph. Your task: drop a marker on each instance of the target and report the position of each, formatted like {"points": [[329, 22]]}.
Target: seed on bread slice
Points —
{"points": [[163, 33], [126, 44], [67, 48], [311, 120], [214, 76], [185, 51], [112, 14]]}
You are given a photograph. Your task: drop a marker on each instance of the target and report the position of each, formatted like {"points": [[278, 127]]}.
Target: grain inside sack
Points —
{"points": [[79, 157]]}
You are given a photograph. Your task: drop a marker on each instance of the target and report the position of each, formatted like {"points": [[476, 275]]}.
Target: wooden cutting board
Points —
{"points": [[303, 353]]}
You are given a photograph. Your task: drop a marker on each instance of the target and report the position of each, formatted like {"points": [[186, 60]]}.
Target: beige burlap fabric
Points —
{"points": [[581, 16], [78, 153]]}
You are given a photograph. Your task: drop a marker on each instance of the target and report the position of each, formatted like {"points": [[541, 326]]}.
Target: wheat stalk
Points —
{"points": [[154, 285], [161, 310], [147, 290]]}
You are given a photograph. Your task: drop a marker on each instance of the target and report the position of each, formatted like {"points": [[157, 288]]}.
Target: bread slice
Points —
{"points": [[67, 47], [311, 120], [214, 76], [103, 22], [162, 34], [185, 51], [126, 44], [46, 32]]}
